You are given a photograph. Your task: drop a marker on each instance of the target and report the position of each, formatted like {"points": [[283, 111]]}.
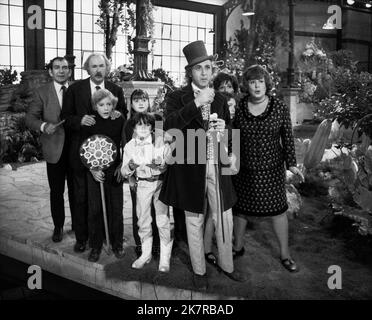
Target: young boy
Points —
{"points": [[146, 162], [104, 102]]}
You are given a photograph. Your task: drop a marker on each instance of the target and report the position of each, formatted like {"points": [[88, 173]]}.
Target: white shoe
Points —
{"points": [[145, 256], [165, 254]]}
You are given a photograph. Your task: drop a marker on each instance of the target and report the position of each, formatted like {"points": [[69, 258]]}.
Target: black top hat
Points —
{"points": [[195, 52]]}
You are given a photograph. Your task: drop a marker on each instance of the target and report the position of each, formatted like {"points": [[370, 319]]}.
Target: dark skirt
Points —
{"points": [[261, 193]]}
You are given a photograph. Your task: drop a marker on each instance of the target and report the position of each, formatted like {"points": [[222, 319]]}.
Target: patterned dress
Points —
{"points": [[266, 144]]}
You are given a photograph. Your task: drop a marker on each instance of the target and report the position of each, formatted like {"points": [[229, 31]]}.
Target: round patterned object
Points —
{"points": [[98, 152]]}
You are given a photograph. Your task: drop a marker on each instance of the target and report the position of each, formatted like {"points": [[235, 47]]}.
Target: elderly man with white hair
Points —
{"points": [[77, 111]]}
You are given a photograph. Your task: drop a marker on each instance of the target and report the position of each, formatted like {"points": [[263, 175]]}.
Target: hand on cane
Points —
{"points": [[98, 175]]}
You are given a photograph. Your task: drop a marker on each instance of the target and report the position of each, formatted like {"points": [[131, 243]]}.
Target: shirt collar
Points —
{"points": [[93, 85], [147, 140], [58, 86], [195, 88]]}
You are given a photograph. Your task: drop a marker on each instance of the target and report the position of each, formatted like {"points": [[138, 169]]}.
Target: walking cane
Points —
{"points": [[99, 152]]}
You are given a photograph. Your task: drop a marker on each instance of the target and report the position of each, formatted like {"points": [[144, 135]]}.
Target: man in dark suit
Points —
{"points": [[77, 111], [44, 115], [197, 185]]}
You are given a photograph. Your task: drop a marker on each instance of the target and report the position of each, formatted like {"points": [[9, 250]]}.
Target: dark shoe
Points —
{"points": [[235, 275], [290, 265], [80, 246], [94, 255], [200, 282], [57, 234], [119, 253], [211, 258], [239, 253]]}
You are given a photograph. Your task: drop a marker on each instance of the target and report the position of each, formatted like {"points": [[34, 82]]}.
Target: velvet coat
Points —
{"points": [[184, 184]]}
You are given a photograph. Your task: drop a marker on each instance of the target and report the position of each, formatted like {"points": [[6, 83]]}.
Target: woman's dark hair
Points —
{"points": [[144, 118], [223, 77], [257, 72]]}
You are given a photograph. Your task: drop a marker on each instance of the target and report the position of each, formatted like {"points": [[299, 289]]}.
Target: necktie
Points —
{"points": [[63, 88], [98, 87]]}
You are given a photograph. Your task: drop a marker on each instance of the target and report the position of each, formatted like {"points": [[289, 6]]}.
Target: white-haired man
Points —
{"points": [[77, 111]]}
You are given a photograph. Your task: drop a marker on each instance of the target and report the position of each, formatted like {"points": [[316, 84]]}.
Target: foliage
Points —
{"points": [[169, 86], [121, 73], [17, 142], [256, 45], [122, 13], [7, 76]]}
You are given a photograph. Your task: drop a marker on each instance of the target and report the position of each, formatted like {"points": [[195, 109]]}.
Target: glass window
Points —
{"points": [[50, 38], [193, 34], [16, 2], [77, 40], [175, 32], [87, 23], [50, 19], [17, 36], [50, 4], [4, 35], [61, 20], [166, 31], [98, 41], [61, 40], [166, 47], [77, 24], [61, 5], [176, 18], [16, 16], [4, 18], [87, 41], [167, 14], [87, 6], [5, 56], [201, 34]]}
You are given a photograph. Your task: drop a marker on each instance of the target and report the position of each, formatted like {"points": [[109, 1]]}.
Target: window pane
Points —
{"points": [[166, 31], [193, 19], [157, 14], [209, 48], [175, 48], [61, 39], [98, 41], [86, 22], [157, 62], [96, 27], [175, 33], [209, 21], [61, 52], [17, 56], [201, 34], [50, 19], [157, 30], [184, 33], [201, 19], [4, 54], [16, 38], [50, 38], [121, 44], [4, 14], [167, 15], [176, 18], [77, 55], [77, 40], [166, 63], [16, 16], [95, 7], [61, 20], [209, 37], [16, 2], [87, 6], [193, 34], [157, 47], [61, 5], [87, 41], [77, 5], [175, 64], [184, 17], [50, 54], [4, 35], [4, 1], [77, 23], [166, 47], [50, 4], [183, 63]]}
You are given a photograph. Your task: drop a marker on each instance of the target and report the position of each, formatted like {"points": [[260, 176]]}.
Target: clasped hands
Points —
{"points": [[88, 120]]}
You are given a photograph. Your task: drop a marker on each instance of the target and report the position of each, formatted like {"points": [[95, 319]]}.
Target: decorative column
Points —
{"points": [[141, 78], [70, 37]]}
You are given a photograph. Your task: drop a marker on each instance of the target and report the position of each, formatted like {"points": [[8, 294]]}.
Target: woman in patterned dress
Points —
{"points": [[266, 150]]}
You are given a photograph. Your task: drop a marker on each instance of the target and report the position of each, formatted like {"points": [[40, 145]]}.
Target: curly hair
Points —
{"points": [[102, 94], [107, 62], [256, 72], [223, 77]]}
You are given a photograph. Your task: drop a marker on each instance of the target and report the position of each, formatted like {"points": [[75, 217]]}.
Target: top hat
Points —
{"points": [[195, 52]]}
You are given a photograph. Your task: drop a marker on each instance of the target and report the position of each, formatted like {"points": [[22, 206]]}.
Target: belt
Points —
{"points": [[151, 179]]}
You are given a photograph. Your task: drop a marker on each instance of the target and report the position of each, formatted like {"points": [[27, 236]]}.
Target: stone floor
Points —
{"points": [[26, 228]]}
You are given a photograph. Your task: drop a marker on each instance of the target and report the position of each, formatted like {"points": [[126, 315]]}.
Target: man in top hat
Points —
{"points": [[198, 186]]}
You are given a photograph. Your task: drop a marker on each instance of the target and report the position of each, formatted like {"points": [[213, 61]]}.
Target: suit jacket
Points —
{"points": [[45, 107], [76, 105], [184, 184]]}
